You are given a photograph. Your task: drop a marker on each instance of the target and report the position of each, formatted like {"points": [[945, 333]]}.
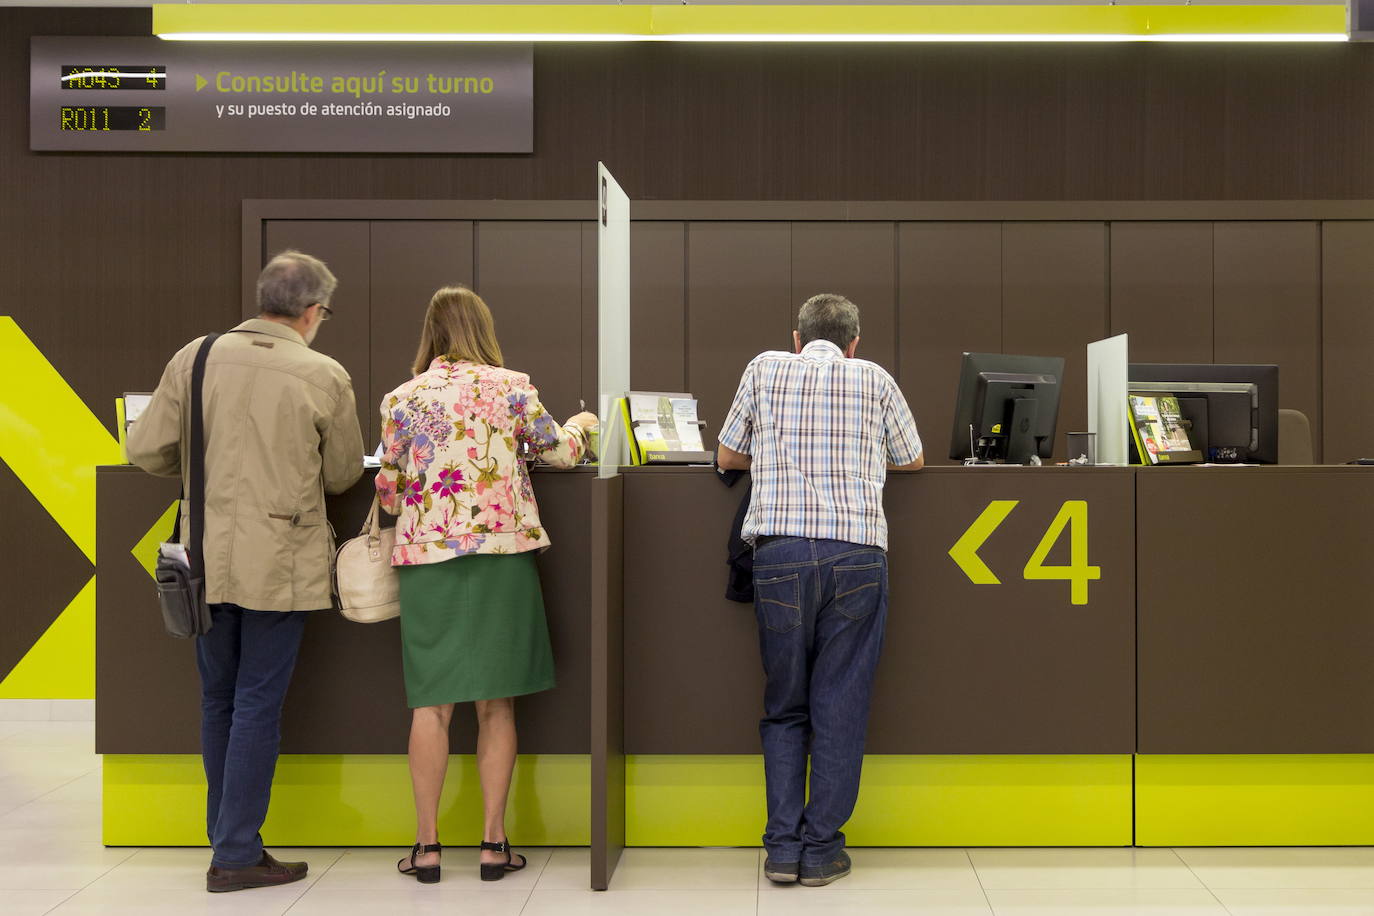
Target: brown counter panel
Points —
{"points": [[1347, 333], [411, 259], [1161, 290], [1268, 299], [857, 261], [1255, 611], [966, 669], [950, 302], [347, 695], [344, 245], [693, 679]]}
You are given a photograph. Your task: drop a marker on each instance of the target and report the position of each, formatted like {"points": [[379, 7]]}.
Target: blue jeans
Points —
{"points": [[245, 664], [821, 608]]}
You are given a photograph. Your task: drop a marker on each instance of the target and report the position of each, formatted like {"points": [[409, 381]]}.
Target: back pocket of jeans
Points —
{"points": [[858, 589], [779, 602]]}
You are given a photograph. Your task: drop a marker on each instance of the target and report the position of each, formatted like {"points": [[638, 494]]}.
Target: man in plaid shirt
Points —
{"points": [[818, 429]]}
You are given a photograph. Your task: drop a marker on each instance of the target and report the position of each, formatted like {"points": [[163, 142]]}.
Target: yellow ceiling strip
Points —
{"points": [[724, 23]]}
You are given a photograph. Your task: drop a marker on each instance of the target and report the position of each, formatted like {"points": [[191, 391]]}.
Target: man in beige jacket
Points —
{"points": [[281, 431]]}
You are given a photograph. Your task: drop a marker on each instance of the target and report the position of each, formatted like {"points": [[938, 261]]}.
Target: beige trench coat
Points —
{"points": [[281, 431]]}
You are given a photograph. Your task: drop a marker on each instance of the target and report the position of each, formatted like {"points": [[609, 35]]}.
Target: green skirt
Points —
{"points": [[473, 628]]}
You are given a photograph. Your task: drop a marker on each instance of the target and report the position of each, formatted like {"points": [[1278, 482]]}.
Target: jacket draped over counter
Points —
{"points": [[455, 440]]}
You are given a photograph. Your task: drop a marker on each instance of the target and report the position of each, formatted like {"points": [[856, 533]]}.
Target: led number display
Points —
{"points": [[110, 76], [107, 117]]}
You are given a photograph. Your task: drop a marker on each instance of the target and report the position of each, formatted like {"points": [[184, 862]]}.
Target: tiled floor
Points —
{"points": [[51, 861]]}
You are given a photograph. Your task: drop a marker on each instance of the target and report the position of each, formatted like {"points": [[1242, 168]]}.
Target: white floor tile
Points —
{"points": [[666, 869], [32, 903], [73, 711], [25, 710], [263, 901], [442, 899], [371, 869], [568, 869], [79, 736], [909, 869], [184, 868], [1105, 902], [1025, 869], [1297, 902], [55, 872], [838, 900], [642, 903], [1292, 867]]}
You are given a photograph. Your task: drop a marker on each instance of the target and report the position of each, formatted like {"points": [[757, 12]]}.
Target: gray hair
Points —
{"points": [[292, 282], [828, 317]]}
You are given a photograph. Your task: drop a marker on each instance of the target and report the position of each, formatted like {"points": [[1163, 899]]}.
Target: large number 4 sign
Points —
{"points": [[1073, 514]]}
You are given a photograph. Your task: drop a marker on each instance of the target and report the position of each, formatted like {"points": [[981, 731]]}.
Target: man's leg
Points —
{"points": [[849, 638], [217, 657], [269, 643], [785, 632]]}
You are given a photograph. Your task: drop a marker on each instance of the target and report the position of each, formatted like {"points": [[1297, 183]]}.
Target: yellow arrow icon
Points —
{"points": [[201, 82], [965, 550]]}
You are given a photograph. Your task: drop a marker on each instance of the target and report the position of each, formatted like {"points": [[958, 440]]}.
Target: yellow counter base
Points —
{"points": [[1255, 800], [363, 800], [904, 801]]}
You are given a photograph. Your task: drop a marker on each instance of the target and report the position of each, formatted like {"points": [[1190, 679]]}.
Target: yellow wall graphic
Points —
{"points": [[53, 442]]}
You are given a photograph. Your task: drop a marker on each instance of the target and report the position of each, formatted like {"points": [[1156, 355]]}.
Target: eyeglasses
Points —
{"points": [[328, 312]]}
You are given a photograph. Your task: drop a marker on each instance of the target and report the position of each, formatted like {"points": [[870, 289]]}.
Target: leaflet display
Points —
{"points": [[1160, 430]]}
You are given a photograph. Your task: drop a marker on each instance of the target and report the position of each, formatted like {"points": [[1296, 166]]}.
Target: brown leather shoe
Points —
{"points": [[267, 873]]}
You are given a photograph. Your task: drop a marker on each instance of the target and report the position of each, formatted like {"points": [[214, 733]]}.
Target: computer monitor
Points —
{"points": [[1007, 407], [1233, 410]]}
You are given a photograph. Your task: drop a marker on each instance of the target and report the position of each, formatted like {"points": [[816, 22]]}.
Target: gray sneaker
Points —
{"points": [[821, 875], [780, 872]]}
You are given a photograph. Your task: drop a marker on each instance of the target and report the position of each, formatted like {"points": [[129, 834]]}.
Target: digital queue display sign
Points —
{"points": [[146, 95]]}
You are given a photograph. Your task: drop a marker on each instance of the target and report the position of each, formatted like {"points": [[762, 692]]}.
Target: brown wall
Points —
{"points": [[111, 262]]}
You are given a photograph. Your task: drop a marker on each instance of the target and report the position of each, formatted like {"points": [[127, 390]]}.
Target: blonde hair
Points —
{"points": [[458, 326]]}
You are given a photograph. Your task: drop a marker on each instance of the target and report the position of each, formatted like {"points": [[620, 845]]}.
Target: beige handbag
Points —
{"points": [[369, 590]]}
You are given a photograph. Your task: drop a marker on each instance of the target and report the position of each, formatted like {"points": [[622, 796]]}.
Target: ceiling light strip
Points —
{"points": [[585, 23]]}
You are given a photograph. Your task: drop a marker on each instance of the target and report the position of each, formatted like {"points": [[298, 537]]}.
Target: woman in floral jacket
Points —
{"points": [[456, 438]]}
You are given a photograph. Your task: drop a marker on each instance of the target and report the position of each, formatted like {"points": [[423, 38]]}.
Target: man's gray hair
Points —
{"points": [[828, 317], [292, 282]]}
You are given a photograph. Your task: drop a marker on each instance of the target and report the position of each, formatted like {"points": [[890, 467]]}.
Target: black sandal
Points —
{"points": [[495, 871], [425, 874]]}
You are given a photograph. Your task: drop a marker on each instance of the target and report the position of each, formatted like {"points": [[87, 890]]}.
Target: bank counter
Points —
{"points": [[1074, 656]]}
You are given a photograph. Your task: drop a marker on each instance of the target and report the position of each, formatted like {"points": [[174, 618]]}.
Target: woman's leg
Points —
{"points": [[495, 762], [428, 764]]}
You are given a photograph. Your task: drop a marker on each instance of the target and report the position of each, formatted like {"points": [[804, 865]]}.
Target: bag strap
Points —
{"points": [[197, 458], [372, 525]]}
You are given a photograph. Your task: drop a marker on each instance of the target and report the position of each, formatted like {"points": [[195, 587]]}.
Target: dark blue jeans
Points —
{"points": [[245, 665], [821, 608]]}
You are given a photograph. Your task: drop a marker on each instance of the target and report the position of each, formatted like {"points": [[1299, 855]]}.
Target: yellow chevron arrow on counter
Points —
{"points": [[52, 442], [965, 550]]}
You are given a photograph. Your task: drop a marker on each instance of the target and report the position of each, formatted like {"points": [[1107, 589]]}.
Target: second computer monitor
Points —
{"points": [[1007, 407], [1229, 425]]}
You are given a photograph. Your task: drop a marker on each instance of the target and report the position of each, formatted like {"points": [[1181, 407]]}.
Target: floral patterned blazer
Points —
{"points": [[455, 439]]}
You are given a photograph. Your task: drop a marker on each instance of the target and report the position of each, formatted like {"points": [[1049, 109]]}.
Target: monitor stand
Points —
{"points": [[1022, 443]]}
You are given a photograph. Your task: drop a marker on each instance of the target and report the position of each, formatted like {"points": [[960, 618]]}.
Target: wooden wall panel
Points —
{"points": [[1161, 290], [1054, 303], [739, 303], [411, 259], [530, 274], [658, 302], [1268, 307], [344, 246], [858, 261], [1347, 357], [950, 302]]}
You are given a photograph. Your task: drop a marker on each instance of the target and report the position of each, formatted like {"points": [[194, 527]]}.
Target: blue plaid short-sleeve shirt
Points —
{"points": [[821, 430]]}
